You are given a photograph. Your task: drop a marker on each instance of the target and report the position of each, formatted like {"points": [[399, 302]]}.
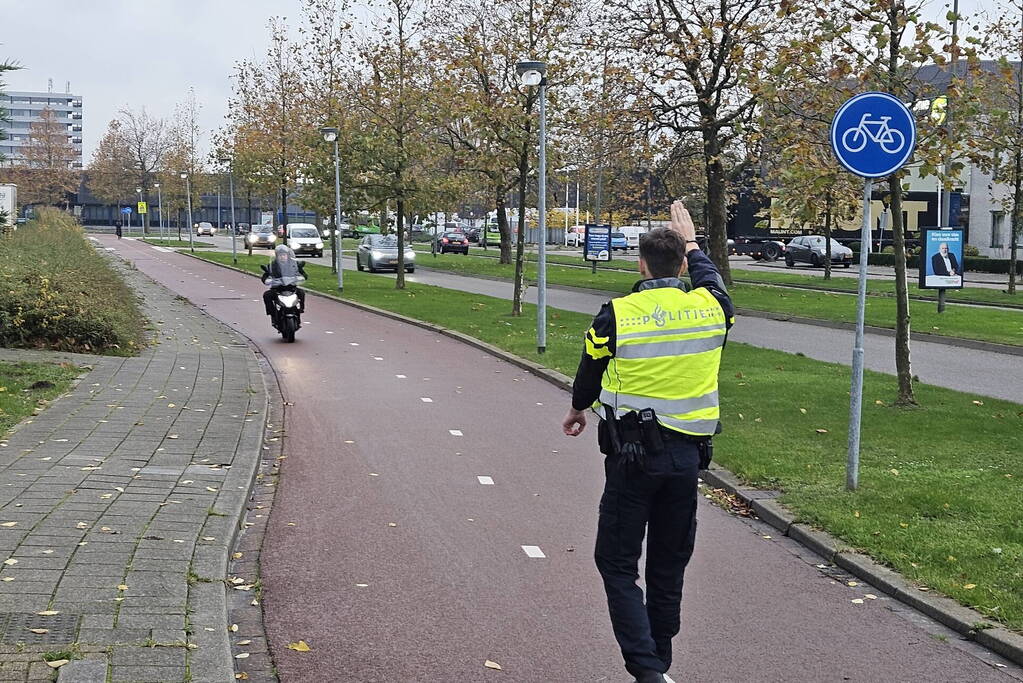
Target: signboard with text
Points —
{"points": [[941, 258], [597, 242], [143, 207]]}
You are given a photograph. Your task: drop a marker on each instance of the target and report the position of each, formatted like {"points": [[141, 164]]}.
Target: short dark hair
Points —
{"points": [[663, 250]]}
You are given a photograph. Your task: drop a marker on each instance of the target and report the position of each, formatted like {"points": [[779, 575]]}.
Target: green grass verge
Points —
{"points": [[24, 387], [176, 243], [939, 485], [964, 322], [58, 292]]}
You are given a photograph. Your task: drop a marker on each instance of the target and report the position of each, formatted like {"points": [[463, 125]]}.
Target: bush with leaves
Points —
{"points": [[57, 292]]}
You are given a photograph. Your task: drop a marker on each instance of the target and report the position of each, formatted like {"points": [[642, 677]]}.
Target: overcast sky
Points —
{"points": [[149, 52]]}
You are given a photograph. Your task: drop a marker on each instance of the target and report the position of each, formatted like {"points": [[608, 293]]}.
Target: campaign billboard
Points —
{"points": [[597, 242], [941, 258]]}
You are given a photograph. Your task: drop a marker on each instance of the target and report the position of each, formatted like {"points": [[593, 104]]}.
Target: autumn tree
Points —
{"points": [[886, 44], [695, 64], [48, 159], [183, 155], [998, 143]]}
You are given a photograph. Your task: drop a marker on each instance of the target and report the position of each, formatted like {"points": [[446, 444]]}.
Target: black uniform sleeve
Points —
{"points": [[599, 349], [704, 273]]}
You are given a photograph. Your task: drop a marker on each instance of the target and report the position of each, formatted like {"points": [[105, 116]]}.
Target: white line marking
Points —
{"points": [[377, 358], [426, 399], [325, 331], [353, 343], [486, 481], [162, 249], [455, 432], [400, 376], [533, 551]]}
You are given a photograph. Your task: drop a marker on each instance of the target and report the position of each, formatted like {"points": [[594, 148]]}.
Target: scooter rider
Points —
{"points": [[284, 269]]}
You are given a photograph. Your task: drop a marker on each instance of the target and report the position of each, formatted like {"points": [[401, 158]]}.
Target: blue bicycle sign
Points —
{"points": [[873, 134]]}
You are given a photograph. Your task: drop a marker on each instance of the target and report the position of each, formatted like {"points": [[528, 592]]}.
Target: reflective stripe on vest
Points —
{"points": [[667, 356]]}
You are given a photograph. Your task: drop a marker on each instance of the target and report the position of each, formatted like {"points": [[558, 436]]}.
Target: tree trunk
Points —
{"points": [[284, 206], [384, 224], [1016, 220], [717, 208], [520, 238], [399, 281], [502, 226], [827, 234], [903, 367]]}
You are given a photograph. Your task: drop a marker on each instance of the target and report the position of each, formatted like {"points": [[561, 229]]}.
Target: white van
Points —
{"points": [[304, 238], [632, 233]]}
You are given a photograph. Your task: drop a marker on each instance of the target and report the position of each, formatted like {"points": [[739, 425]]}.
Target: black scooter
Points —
{"points": [[286, 319]]}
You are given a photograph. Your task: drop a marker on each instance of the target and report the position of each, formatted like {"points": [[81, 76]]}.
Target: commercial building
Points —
{"points": [[25, 108]]}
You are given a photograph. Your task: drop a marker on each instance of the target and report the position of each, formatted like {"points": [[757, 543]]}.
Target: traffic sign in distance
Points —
{"points": [[125, 209], [143, 207], [873, 134]]}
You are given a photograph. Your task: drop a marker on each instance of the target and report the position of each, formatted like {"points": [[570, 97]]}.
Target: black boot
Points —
{"points": [[649, 676]]}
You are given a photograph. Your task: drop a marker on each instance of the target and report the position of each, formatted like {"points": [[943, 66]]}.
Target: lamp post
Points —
{"points": [[159, 203], [533, 74], [188, 197], [330, 135], [142, 230], [234, 226]]}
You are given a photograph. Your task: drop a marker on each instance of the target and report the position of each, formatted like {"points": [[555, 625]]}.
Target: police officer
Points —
{"points": [[650, 366]]}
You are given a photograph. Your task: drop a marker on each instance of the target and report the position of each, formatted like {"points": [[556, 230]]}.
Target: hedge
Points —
{"points": [[58, 292]]}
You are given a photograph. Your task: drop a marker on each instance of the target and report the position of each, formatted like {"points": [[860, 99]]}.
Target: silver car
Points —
{"points": [[261, 236], [811, 249], [380, 252]]}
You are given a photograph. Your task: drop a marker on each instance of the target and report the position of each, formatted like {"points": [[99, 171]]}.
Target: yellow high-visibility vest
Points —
{"points": [[667, 357]]}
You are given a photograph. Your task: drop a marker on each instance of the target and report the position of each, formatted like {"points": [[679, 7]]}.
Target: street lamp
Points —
{"points": [[226, 160], [330, 135], [188, 197], [533, 74], [159, 201], [138, 191]]}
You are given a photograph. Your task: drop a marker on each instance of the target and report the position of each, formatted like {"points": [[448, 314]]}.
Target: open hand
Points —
{"points": [[682, 222]]}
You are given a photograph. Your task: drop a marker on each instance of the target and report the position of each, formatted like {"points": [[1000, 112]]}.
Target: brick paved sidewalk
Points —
{"points": [[120, 502]]}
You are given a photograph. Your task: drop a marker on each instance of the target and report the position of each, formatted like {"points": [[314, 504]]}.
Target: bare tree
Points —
{"points": [[48, 160]]}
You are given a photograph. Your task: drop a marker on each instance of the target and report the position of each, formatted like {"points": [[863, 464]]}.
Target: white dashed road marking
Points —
{"points": [[533, 551], [400, 376], [426, 399], [455, 432], [486, 481]]}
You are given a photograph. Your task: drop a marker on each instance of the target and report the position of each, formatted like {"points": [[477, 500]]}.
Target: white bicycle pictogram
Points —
{"points": [[891, 140]]}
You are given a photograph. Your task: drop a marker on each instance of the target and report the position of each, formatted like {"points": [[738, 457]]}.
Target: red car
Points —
{"points": [[453, 241]]}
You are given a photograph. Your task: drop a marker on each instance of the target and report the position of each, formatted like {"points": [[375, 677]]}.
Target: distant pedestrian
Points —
{"points": [[117, 229], [651, 363]]}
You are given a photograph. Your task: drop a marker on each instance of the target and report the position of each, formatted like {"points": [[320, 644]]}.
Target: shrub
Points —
{"points": [[57, 292], [970, 250]]}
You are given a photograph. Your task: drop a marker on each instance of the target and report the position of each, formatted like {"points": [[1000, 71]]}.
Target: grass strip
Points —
{"points": [[25, 387], [939, 493], [176, 243], [963, 322]]}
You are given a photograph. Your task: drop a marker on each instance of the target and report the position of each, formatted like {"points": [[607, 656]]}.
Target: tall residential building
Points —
{"points": [[24, 109]]}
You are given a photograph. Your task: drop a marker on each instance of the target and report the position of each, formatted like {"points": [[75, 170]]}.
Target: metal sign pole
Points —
{"points": [[852, 467]]}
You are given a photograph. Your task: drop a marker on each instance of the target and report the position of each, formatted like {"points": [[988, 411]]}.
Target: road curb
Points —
{"points": [[961, 619]]}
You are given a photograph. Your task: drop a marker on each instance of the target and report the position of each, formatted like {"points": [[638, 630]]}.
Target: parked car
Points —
{"points": [[379, 252], [473, 234], [619, 241], [576, 236], [454, 242], [205, 228], [304, 238], [811, 249], [261, 236], [632, 233]]}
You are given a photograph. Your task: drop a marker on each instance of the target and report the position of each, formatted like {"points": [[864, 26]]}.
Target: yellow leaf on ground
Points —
{"points": [[970, 586], [492, 665], [242, 655], [48, 613], [57, 663], [856, 513], [241, 676], [822, 431], [903, 525], [10, 561], [244, 642], [857, 601], [300, 646], [803, 411], [233, 628], [39, 631], [9, 524], [870, 596], [7, 579], [122, 587]]}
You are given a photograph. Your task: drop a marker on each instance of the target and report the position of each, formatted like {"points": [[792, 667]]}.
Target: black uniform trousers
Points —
{"points": [[660, 503]]}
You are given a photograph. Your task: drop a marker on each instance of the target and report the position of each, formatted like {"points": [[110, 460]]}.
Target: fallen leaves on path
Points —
{"points": [[57, 663], [492, 665], [300, 646]]}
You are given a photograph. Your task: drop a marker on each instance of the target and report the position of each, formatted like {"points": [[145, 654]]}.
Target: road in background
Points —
{"points": [[423, 478]]}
